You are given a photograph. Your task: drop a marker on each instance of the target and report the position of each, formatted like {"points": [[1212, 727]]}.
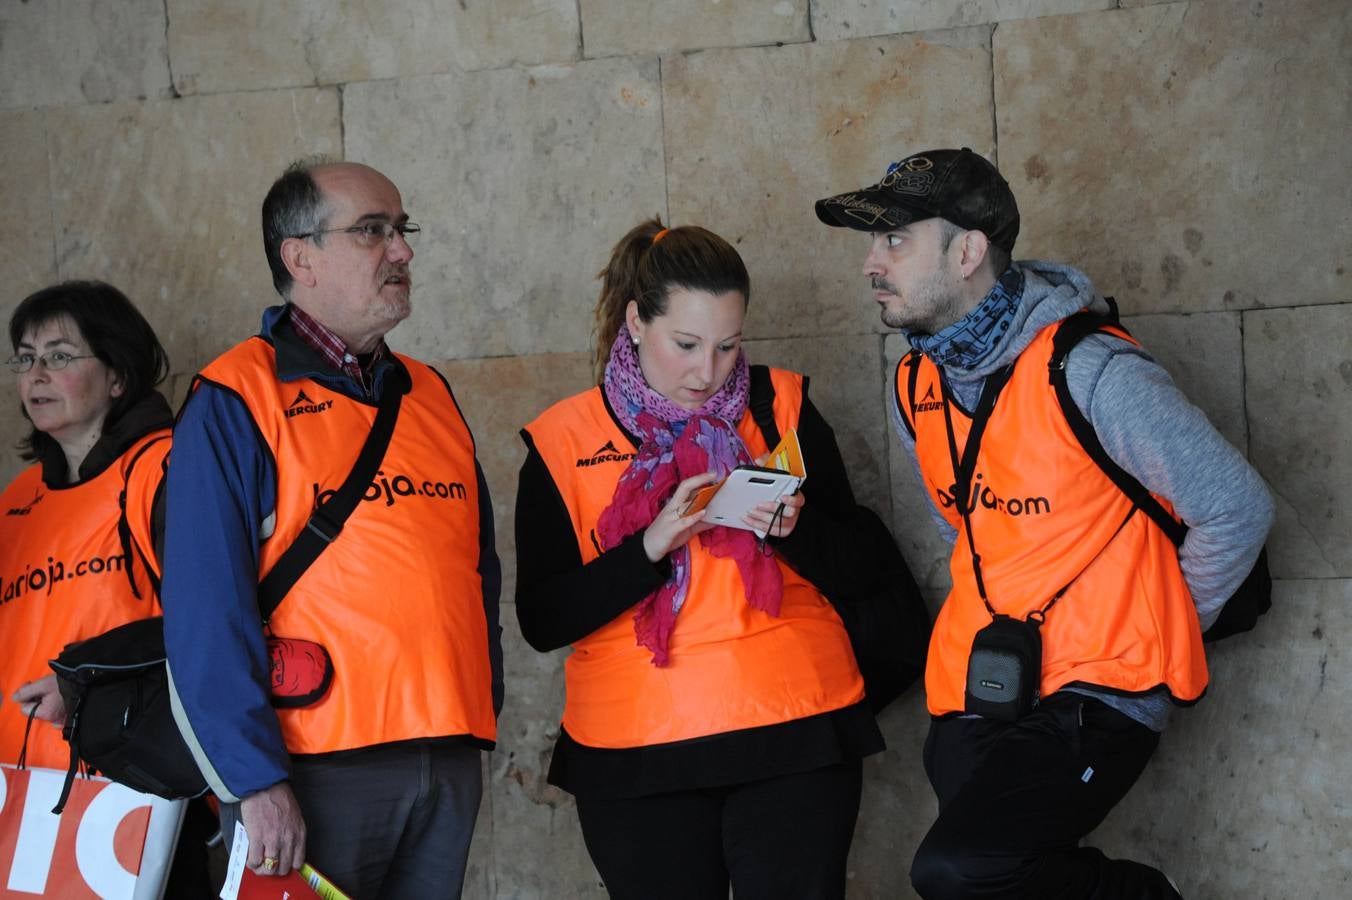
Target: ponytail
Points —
{"points": [[651, 260], [619, 285]]}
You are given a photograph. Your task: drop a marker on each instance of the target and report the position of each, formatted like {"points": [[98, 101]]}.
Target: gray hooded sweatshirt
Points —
{"points": [[1151, 430]]}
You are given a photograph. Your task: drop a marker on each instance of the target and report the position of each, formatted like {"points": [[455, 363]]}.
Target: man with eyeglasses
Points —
{"points": [[373, 776]]}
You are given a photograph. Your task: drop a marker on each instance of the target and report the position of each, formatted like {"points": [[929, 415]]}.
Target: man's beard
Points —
{"points": [[401, 305], [928, 307]]}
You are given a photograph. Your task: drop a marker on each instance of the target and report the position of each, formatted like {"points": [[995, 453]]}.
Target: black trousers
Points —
{"points": [[1016, 798], [776, 839]]}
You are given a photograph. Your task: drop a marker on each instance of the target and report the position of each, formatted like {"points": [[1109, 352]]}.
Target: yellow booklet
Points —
{"points": [[788, 456]]}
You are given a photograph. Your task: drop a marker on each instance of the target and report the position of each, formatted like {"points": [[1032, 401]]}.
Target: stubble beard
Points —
{"points": [[929, 307]]}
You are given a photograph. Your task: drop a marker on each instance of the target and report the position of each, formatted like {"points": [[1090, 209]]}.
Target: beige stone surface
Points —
{"points": [[897, 806], [68, 52], [1205, 356], [756, 136], [912, 519], [845, 375], [522, 181], [1248, 795], [175, 389], [836, 19], [1156, 149], [1298, 382], [614, 27], [13, 425], [498, 397], [495, 33], [534, 848], [27, 251], [182, 240], [255, 44]]}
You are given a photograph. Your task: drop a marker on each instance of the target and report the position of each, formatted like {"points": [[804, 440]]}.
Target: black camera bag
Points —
{"points": [[1004, 669], [118, 715]]}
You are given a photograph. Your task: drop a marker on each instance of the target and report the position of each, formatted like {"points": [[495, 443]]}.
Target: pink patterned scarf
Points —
{"points": [[677, 443]]}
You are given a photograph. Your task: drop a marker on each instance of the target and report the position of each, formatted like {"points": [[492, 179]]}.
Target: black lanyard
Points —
{"points": [[964, 468]]}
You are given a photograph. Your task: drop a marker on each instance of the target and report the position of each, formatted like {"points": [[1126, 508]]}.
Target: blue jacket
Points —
{"points": [[221, 496]]}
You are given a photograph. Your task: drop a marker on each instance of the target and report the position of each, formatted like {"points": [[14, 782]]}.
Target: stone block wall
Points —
{"points": [[1190, 156]]}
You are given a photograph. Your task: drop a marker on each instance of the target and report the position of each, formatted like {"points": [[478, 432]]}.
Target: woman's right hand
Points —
{"points": [[671, 529]]}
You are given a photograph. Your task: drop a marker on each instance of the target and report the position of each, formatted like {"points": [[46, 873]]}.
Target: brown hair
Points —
{"points": [[651, 260]]}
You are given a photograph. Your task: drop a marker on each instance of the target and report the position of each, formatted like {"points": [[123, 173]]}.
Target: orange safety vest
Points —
{"points": [[398, 599], [64, 577], [731, 666], [1041, 510]]}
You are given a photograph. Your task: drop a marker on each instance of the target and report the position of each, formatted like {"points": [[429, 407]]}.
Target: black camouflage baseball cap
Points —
{"points": [[957, 185]]}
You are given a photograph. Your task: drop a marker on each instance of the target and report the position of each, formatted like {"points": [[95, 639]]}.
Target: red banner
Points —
{"points": [[92, 850]]}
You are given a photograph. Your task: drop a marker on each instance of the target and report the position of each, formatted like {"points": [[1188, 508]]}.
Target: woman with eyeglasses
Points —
{"points": [[85, 364], [714, 720], [76, 536]]}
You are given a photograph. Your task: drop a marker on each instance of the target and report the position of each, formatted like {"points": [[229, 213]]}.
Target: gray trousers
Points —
{"points": [[387, 822]]}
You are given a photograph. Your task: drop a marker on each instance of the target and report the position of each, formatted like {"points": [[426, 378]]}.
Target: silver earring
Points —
{"points": [[635, 340]]}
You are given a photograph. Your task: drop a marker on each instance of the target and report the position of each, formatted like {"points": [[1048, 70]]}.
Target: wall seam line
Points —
{"points": [[168, 57], [995, 112], [342, 121], [51, 192], [666, 162], [1244, 388], [581, 38]]}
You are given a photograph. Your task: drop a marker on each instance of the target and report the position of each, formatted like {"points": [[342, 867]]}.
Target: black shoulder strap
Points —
{"points": [[327, 520], [762, 404], [124, 526], [1069, 333]]}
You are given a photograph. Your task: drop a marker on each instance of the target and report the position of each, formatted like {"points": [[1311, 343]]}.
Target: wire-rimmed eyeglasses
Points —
{"points": [[370, 233], [52, 360]]}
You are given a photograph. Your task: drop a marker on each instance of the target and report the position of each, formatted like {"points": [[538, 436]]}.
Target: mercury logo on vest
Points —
{"points": [[608, 453], [928, 403], [1027, 506], [303, 404]]}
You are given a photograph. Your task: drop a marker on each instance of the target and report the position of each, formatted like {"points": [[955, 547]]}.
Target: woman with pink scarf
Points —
{"points": [[714, 721]]}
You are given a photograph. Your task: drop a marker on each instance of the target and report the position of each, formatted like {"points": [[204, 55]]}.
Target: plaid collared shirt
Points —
{"points": [[330, 346]]}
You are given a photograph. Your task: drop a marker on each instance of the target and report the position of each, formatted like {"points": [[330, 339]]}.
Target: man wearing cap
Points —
{"points": [[369, 768], [1047, 548]]}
